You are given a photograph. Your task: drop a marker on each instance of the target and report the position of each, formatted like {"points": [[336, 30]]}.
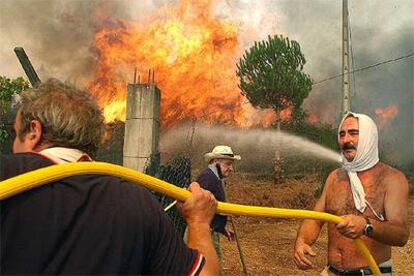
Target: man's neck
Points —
{"points": [[65, 155], [41, 146], [370, 172], [215, 170]]}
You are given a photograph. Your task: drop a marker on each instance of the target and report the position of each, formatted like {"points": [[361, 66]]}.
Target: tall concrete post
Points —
{"points": [[141, 125]]}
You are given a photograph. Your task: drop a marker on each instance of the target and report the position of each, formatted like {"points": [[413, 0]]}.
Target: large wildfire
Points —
{"points": [[193, 55]]}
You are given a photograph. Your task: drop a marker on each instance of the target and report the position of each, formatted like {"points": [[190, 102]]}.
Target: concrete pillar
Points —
{"points": [[141, 125]]}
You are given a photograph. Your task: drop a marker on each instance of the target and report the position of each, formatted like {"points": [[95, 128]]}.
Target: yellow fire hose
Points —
{"points": [[30, 180]]}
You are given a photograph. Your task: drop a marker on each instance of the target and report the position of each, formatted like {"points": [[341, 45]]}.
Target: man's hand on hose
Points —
{"points": [[302, 251], [352, 226], [200, 207]]}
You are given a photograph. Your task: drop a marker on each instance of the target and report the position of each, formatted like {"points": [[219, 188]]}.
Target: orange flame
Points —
{"points": [[386, 115], [322, 115], [193, 55], [286, 114], [268, 119], [313, 118]]}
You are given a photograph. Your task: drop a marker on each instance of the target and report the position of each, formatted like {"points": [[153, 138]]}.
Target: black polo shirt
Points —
{"points": [[87, 225]]}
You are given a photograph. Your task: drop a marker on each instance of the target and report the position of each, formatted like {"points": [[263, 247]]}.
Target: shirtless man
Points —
{"points": [[370, 196]]}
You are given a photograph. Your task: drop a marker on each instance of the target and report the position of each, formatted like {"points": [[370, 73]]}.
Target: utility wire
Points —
{"points": [[365, 68]]}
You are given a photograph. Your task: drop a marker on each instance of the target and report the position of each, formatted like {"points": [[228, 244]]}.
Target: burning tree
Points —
{"points": [[271, 76]]}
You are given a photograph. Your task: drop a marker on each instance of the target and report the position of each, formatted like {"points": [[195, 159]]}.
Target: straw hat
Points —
{"points": [[221, 152]]}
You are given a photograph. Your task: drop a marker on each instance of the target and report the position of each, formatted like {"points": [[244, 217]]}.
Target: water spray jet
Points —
{"points": [[248, 140]]}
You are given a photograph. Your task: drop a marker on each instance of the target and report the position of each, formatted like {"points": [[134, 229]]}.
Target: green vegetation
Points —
{"points": [[271, 75], [8, 87]]}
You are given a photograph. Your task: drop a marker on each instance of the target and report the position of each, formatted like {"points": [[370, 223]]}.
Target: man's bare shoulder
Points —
{"points": [[337, 175], [392, 177]]}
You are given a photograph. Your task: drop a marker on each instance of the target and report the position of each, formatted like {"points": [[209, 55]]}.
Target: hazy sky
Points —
{"points": [[57, 36]]}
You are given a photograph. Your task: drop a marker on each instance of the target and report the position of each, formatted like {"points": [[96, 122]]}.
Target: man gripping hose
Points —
{"points": [[90, 224], [370, 196]]}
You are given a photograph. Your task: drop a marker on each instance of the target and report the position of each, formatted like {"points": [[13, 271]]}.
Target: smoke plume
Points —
{"points": [[58, 34]]}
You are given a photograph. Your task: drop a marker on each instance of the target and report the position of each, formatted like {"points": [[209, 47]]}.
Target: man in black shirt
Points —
{"points": [[89, 224]]}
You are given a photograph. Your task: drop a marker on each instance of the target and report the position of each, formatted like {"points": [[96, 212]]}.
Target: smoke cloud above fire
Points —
{"points": [[59, 38]]}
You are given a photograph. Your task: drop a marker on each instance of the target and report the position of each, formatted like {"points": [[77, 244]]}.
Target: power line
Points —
{"points": [[364, 68]]}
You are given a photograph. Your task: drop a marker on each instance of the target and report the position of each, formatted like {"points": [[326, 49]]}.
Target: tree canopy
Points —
{"points": [[8, 87], [271, 74]]}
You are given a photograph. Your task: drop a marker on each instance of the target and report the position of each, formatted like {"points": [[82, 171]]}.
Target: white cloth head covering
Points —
{"points": [[366, 157]]}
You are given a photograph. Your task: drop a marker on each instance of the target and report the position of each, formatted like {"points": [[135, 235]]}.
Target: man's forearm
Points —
{"points": [[390, 233], [199, 238], [309, 231]]}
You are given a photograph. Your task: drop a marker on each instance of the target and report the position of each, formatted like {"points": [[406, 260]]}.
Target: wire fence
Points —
{"points": [[176, 171], [111, 150]]}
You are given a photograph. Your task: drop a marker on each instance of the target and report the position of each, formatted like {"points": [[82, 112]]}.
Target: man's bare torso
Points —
{"points": [[342, 252]]}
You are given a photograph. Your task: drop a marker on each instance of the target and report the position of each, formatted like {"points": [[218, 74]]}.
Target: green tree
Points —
{"points": [[8, 87], [271, 76]]}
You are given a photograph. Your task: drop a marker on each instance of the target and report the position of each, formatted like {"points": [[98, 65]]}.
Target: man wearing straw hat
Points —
{"points": [[372, 199], [220, 165]]}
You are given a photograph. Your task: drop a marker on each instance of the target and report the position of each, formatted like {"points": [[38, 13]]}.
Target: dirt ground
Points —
{"points": [[267, 244]]}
